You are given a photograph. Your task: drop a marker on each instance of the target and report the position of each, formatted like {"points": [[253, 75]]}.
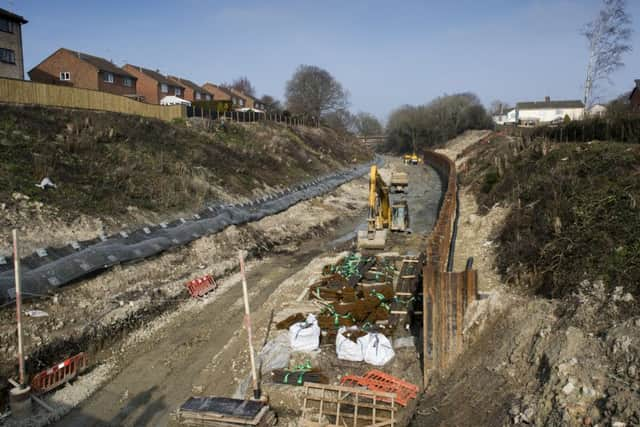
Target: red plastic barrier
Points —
{"points": [[379, 381], [61, 373], [201, 286]]}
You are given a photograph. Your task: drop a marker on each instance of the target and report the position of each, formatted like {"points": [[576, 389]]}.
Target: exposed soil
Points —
{"points": [[198, 347]]}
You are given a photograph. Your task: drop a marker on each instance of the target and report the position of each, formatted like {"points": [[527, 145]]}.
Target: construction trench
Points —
{"points": [[148, 358]]}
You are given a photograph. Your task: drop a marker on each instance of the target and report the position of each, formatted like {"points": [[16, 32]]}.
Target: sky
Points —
{"points": [[386, 53]]}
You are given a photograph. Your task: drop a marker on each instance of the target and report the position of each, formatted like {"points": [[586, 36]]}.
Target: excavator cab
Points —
{"points": [[383, 216]]}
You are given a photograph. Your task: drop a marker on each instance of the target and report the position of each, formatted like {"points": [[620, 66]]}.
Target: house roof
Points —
{"points": [[239, 93], [12, 16], [221, 88], [101, 63], [189, 84], [541, 105], [156, 76]]}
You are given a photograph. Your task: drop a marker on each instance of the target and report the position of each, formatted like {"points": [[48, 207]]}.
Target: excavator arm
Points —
{"points": [[383, 216], [379, 205]]}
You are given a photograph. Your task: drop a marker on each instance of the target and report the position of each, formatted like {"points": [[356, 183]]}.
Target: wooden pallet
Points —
{"points": [[333, 406]]}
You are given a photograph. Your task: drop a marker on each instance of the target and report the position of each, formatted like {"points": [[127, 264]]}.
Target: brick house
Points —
{"points": [[153, 86], [634, 97], [192, 91], [257, 104], [219, 93], [244, 101], [76, 69], [11, 55]]}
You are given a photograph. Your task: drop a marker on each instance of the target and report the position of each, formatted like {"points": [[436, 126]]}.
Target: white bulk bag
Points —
{"points": [[349, 350], [378, 350], [305, 336]]}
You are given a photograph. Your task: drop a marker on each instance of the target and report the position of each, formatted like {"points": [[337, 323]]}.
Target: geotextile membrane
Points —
{"points": [[45, 270]]}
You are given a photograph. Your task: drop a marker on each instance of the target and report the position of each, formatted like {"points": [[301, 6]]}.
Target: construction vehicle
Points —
{"points": [[383, 216], [399, 182], [411, 159]]}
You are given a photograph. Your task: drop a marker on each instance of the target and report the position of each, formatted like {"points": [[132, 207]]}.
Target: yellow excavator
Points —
{"points": [[383, 215], [412, 159]]}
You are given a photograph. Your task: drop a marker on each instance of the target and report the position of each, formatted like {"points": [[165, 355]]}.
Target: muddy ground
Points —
{"points": [[154, 347]]}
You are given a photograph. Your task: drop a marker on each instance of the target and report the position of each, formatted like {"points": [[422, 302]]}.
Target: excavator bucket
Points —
{"points": [[372, 240]]}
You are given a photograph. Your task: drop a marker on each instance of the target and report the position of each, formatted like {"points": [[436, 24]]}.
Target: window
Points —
{"points": [[65, 76], [108, 77], [7, 55], [6, 25], [177, 91], [127, 81], [241, 102], [198, 96], [164, 88], [207, 97]]}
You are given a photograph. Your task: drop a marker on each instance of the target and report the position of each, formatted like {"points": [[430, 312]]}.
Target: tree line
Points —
{"points": [[417, 127], [315, 94]]}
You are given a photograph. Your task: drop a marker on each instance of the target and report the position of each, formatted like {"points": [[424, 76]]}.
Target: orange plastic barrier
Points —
{"points": [[61, 373], [375, 380], [201, 286]]}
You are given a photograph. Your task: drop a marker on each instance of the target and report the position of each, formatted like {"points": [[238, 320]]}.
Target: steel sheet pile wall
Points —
{"points": [[51, 268], [446, 295]]}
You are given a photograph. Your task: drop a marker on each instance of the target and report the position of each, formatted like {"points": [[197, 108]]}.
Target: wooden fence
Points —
{"points": [[31, 93], [445, 295]]}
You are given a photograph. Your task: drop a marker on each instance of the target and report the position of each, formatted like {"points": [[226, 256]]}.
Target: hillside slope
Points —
{"points": [[555, 338], [115, 171]]}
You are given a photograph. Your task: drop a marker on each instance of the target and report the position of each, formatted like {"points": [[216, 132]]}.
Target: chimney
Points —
{"points": [[547, 99]]}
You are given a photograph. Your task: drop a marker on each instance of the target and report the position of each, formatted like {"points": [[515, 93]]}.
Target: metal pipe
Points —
{"points": [[469, 263], [16, 269], [454, 233]]}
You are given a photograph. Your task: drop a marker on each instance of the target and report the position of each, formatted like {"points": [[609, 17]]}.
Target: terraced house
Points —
{"points": [[221, 93], [153, 86], [11, 57], [192, 91], [67, 67]]}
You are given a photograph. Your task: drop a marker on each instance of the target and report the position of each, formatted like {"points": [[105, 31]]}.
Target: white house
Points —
{"points": [[597, 110], [548, 111], [505, 118]]}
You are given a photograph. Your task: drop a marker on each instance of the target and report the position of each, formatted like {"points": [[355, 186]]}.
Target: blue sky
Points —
{"points": [[386, 53]]}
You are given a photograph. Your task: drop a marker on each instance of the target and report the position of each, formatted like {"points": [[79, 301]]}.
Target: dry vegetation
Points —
{"points": [[574, 213], [104, 163]]}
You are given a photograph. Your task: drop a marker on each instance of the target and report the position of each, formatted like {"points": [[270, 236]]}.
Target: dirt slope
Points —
{"points": [[569, 357], [114, 171]]}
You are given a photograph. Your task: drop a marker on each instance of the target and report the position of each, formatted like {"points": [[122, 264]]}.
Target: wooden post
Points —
{"points": [[16, 269], [247, 324]]}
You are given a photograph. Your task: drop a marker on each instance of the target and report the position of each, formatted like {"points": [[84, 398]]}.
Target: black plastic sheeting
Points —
{"points": [[54, 267]]}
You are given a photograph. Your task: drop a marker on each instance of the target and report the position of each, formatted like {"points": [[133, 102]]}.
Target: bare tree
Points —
{"points": [[272, 105], [367, 124], [413, 128], [315, 92], [609, 37], [341, 120], [242, 84], [498, 107]]}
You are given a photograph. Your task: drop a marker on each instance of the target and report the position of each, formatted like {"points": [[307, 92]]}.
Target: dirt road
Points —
{"points": [[203, 351]]}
